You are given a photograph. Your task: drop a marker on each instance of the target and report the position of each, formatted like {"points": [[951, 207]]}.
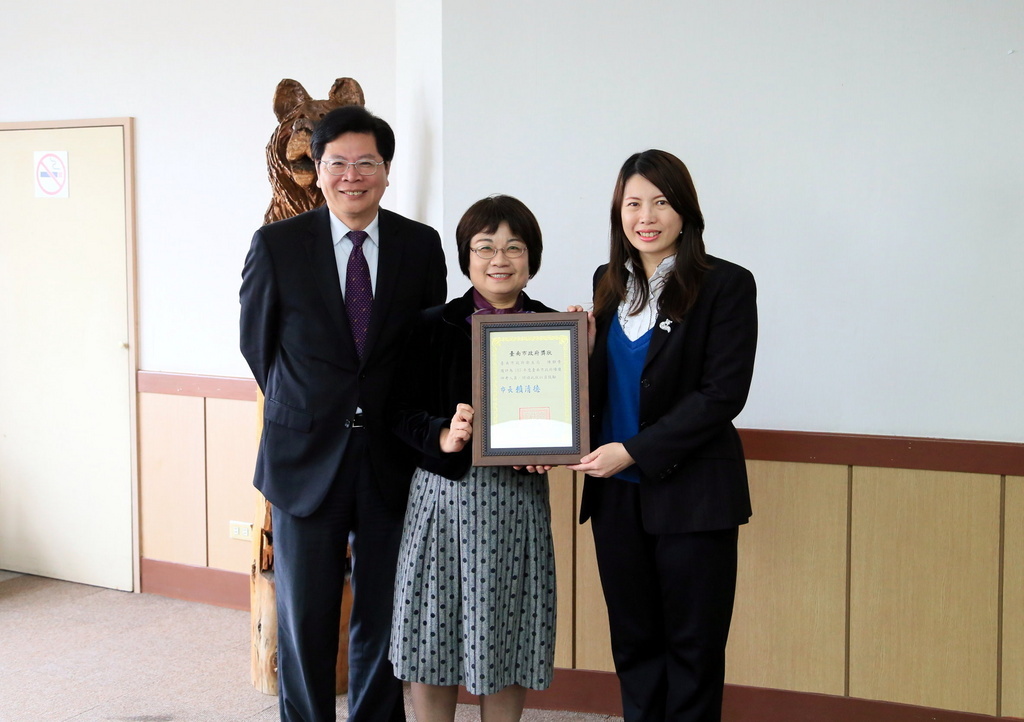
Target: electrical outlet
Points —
{"points": [[240, 530]]}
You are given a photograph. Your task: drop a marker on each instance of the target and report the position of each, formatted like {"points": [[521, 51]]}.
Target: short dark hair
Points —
{"points": [[672, 178], [487, 214], [352, 119]]}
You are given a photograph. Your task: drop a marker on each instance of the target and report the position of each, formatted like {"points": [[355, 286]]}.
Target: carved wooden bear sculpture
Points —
{"points": [[289, 165]]}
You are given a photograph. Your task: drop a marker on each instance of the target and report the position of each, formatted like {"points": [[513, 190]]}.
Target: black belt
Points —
{"points": [[358, 421]]}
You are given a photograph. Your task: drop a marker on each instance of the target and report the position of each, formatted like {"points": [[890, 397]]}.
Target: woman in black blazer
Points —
{"points": [[676, 332]]}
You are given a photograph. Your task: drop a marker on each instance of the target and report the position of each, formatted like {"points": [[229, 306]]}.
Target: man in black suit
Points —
{"points": [[324, 353]]}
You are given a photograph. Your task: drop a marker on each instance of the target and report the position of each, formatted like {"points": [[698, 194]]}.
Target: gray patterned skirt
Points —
{"points": [[475, 589]]}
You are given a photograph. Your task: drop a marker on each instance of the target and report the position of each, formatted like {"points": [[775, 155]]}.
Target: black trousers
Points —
{"points": [[309, 564], [670, 599]]}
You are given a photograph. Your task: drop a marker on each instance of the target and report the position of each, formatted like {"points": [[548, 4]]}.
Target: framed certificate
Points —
{"points": [[530, 389]]}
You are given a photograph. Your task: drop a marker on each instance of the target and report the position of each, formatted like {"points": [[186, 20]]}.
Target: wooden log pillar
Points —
{"points": [[263, 602]]}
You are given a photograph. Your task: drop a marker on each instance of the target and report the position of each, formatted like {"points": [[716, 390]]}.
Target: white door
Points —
{"points": [[67, 356]]}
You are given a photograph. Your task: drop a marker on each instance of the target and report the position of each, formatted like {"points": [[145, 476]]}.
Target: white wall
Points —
{"points": [[199, 77], [419, 117], [863, 159]]}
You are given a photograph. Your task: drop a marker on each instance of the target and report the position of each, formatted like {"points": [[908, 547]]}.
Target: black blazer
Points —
{"points": [[296, 338], [694, 382], [438, 377]]}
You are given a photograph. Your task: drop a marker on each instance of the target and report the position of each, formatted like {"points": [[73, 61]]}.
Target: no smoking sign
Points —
{"points": [[51, 173]]}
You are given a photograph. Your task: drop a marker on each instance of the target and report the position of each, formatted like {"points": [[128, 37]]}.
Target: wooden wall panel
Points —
{"points": [[924, 588], [789, 622], [1013, 600], [593, 644], [172, 478], [563, 530], [924, 575], [231, 445]]}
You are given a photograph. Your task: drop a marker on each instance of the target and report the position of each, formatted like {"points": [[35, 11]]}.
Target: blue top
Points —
{"points": [[622, 412]]}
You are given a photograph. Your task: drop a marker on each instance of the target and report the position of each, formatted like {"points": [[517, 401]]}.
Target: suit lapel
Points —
{"points": [[389, 259], [664, 328], [324, 266], [599, 365]]}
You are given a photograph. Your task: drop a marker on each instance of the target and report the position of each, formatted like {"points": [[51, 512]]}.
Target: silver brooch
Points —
{"points": [[666, 325]]}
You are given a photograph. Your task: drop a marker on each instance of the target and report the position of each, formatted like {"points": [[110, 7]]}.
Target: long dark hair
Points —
{"points": [[671, 177]]}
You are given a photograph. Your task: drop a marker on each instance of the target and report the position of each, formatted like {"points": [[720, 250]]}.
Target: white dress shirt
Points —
{"points": [[343, 249]]}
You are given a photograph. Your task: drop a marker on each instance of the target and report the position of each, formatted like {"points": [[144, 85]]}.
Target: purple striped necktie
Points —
{"points": [[358, 290]]}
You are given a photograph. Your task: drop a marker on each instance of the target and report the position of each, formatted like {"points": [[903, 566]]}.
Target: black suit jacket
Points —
{"points": [[694, 383], [296, 338]]}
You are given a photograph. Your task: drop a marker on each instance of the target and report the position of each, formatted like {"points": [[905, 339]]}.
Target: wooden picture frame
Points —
{"points": [[530, 389]]}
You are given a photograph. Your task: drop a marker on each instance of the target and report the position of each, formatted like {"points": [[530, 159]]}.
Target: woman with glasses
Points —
{"points": [[676, 331], [475, 590]]}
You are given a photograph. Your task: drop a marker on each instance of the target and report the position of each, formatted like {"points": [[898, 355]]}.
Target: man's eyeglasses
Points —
{"points": [[512, 250], [363, 167]]}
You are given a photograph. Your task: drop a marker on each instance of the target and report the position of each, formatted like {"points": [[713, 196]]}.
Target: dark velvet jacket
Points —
{"points": [[436, 377]]}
